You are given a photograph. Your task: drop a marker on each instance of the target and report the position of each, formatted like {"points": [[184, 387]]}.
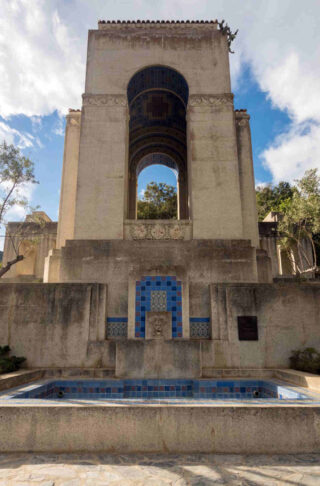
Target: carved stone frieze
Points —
{"points": [[217, 101], [104, 100], [157, 231]]}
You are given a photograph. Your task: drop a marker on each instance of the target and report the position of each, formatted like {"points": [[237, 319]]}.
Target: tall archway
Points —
{"points": [[158, 97]]}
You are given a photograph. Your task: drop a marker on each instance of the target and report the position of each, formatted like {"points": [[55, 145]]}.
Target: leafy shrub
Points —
{"points": [[9, 363], [307, 359]]}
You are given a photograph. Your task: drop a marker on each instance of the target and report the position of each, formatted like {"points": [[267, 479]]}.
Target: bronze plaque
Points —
{"points": [[248, 328]]}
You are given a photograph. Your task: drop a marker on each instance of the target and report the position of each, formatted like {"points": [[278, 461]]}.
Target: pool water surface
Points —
{"points": [[208, 389]]}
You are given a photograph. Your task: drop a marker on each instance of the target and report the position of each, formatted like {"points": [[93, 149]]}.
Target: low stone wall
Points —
{"points": [[165, 429], [54, 325], [288, 317]]}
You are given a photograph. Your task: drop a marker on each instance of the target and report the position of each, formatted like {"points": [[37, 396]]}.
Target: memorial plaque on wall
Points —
{"points": [[248, 328]]}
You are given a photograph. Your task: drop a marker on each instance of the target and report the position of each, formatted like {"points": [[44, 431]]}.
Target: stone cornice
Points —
{"points": [[214, 100], [156, 29], [104, 100]]}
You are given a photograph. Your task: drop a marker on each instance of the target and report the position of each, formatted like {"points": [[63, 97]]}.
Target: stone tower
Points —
{"points": [[158, 92]]}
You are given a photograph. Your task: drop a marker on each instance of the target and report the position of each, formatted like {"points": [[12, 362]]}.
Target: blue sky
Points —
{"points": [[275, 75]]}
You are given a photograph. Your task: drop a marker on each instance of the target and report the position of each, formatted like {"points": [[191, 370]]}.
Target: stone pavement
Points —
{"points": [[158, 470]]}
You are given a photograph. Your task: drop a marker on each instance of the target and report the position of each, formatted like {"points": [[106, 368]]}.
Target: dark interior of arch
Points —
{"points": [[157, 77], [157, 102]]}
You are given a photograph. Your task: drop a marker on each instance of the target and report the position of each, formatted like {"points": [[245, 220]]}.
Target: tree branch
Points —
{"points": [[9, 265]]}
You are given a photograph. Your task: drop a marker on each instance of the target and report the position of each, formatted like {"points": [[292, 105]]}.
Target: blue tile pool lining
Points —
{"points": [[146, 289], [152, 388]]}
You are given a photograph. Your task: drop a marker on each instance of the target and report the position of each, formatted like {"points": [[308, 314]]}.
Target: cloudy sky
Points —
{"points": [[275, 75]]}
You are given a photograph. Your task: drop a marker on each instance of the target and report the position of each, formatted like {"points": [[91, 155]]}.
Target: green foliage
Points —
{"points": [[15, 171], [276, 198], [159, 202], [307, 359], [9, 363], [301, 221], [299, 206]]}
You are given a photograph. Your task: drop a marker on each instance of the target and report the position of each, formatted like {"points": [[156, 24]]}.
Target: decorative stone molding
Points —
{"points": [[243, 122], [152, 230], [104, 100], [74, 118], [242, 118], [216, 101]]}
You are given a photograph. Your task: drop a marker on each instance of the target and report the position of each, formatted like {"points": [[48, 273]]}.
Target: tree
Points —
{"points": [[300, 222], [16, 170], [159, 202], [273, 198]]}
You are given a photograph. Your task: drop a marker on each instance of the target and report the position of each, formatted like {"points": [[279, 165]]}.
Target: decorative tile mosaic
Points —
{"points": [[169, 286], [117, 327], [156, 388], [200, 327], [158, 300]]}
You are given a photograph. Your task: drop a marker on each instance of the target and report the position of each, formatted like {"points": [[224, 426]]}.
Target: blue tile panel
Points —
{"points": [[200, 327], [152, 388], [144, 289], [117, 327]]}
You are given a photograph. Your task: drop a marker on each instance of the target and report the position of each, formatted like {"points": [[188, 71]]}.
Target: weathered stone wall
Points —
{"points": [[63, 325], [288, 318], [53, 324], [201, 261]]}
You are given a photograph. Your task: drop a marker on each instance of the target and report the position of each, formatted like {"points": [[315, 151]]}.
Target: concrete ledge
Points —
{"points": [[300, 378], [10, 380], [160, 429], [237, 373], [79, 372]]}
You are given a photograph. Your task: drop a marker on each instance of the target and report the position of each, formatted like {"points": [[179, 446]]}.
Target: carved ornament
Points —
{"points": [[157, 231], [104, 100], [242, 122], [218, 101]]}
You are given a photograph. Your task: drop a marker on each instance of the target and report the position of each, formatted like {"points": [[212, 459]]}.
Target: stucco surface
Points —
{"points": [[173, 429]]}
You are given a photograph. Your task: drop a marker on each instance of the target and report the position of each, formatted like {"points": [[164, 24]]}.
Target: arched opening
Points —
{"points": [[158, 97], [157, 190]]}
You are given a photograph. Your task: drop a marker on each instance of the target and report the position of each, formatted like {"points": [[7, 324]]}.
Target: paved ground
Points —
{"points": [[158, 470]]}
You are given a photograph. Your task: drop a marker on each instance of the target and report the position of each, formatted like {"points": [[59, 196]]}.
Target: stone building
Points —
{"points": [[143, 295]]}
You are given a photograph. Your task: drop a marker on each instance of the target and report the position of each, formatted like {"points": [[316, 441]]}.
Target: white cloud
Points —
{"points": [[21, 139], [260, 184], [294, 152], [41, 58]]}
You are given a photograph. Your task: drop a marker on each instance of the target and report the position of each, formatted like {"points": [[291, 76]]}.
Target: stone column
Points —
{"points": [[247, 185], [213, 167], [69, 178], [101, 203], [132, 213], [183, 196]]}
